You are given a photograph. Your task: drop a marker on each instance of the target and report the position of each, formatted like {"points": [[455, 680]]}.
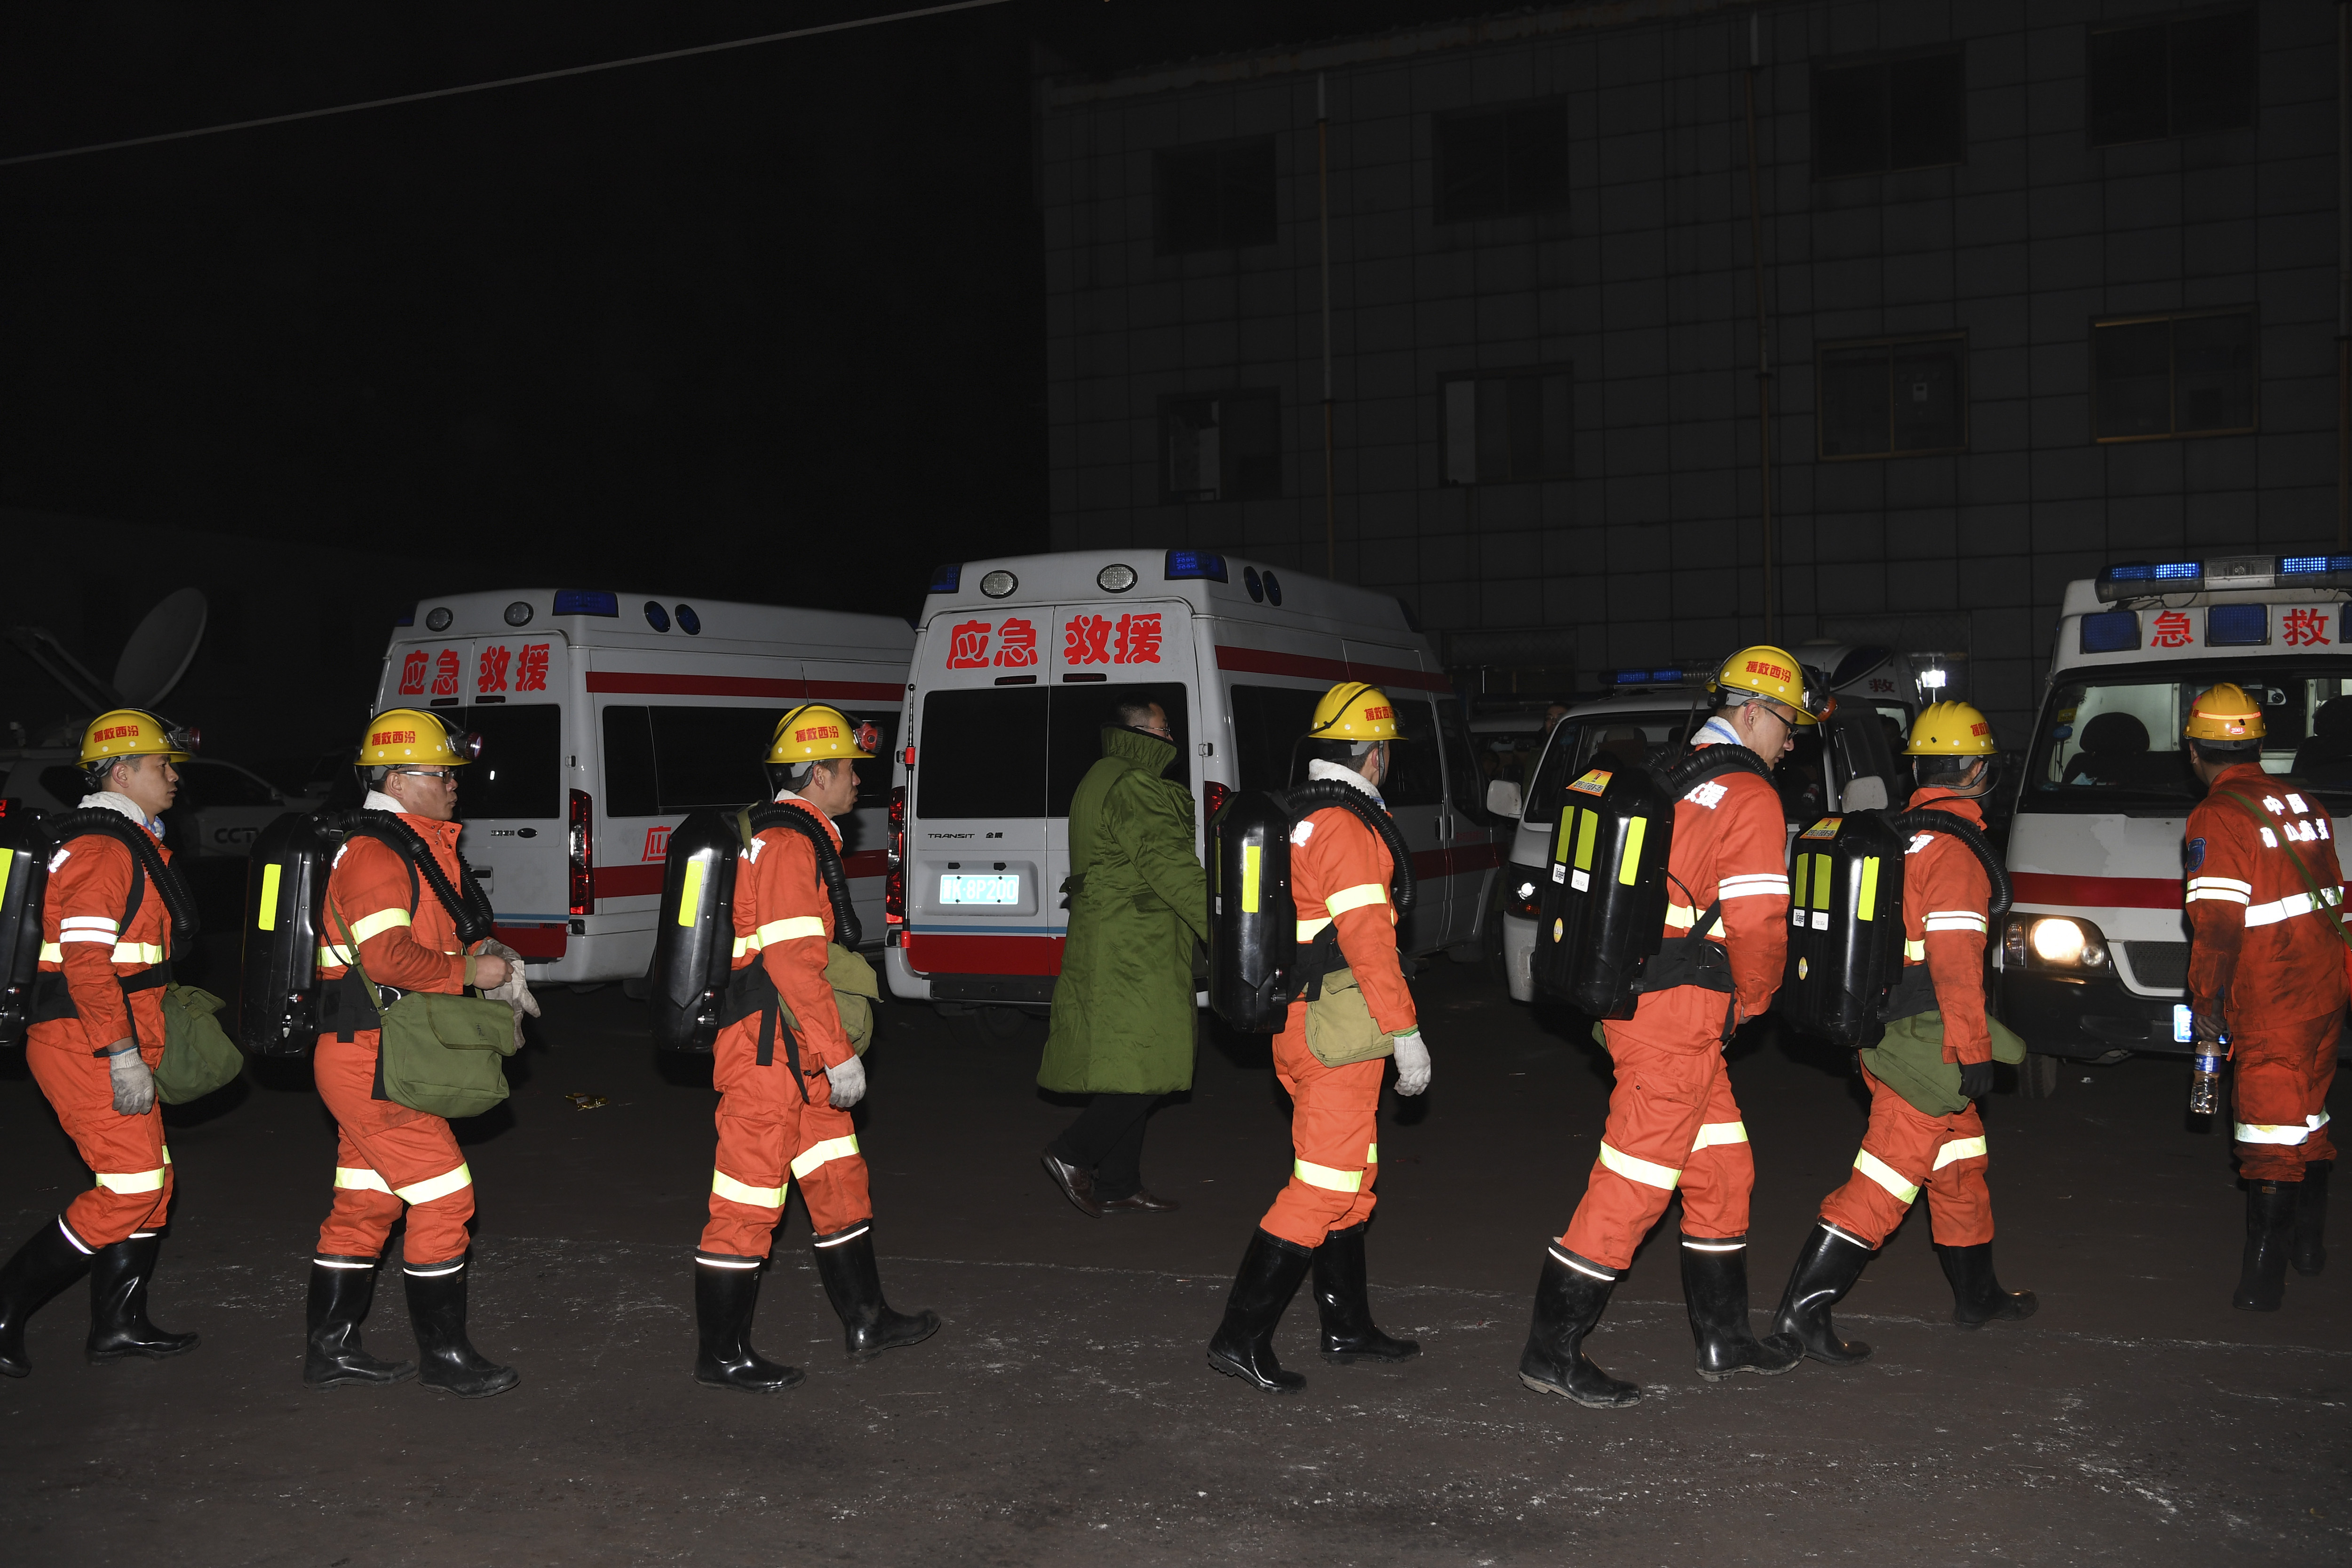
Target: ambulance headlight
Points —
{"points": [[2059, 943]]}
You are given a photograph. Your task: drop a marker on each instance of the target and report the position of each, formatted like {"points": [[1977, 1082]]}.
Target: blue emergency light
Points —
{"points": [[1645, 676], [407, 616], [586, 602], [2112, 631], [947, 579], [2237, 626], [2141, 579], [1184, 564], [2333, 571]]}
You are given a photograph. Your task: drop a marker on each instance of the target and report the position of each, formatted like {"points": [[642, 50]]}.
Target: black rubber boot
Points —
{"points": [[1345, 1302], [2270, 1221], [1977, 1296], [45, 1265], [2310, 1255], [1826, 1269], [723, 1300], [853, 1283], [118, 1304], [1570, 1294], [436, 1307], [1715, 1291], [342, 1289], [1242, 1345]]}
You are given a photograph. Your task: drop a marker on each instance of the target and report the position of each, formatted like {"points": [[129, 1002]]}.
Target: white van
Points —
{"points": [[1018, 664], [1843, 765], [606, 718], [2094, 956]]}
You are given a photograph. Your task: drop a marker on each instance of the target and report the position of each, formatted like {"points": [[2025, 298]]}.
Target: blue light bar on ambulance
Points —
{"points": [[947, 579], [2315, 571], [586, 602], [2112, 631], [2142, 579], [407, 616], [1195, 564], [2237, 626], [1645, 676]]}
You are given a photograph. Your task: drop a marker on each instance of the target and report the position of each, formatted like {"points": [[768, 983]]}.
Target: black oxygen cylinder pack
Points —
{"points": [[285, 888], [694, 932], [1253, 920], [1845, 927], [24, 859], [1603, 904]]}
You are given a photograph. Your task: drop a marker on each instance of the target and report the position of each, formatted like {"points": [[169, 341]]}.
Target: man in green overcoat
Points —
{"points": [[1122, 1027]]}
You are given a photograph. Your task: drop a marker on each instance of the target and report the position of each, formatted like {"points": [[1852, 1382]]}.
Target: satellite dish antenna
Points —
{"points": [[161, 649]]}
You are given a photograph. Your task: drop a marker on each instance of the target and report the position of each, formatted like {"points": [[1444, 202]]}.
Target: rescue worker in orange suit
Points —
{"points": [[1928, 1073], [1673, 1123], [1341, 873], [97, 1035], [787, 1075], [389, 1156], [2266, 968]]}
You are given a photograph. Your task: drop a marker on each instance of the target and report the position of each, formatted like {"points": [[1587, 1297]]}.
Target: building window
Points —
{"points": [[1876, 116], [1499, 428], [2171, 79], [2162, 376], [1225, 447], [1894, 398], [1502, 163], [1217, 197]]}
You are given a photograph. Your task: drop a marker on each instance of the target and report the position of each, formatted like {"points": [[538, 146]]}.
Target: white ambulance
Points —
{"points": [[2094, 957], [606, 718], [1845, 764], [1018, 663]]}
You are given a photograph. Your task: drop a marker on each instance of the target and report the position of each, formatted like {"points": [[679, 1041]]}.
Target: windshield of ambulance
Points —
{"points": [[1632, 738], [2110, 740]]}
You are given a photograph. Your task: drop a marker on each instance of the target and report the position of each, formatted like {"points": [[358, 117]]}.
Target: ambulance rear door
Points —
{"points": [[874, 692]]}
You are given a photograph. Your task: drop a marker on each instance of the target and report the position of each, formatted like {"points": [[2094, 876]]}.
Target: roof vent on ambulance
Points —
{"points": [[1115, 578], [996, 585]]}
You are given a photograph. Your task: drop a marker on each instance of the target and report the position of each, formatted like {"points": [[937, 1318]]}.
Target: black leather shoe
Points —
{"points": [[1077, 1185], [1977, 1296], [2310, 1253], [1344, 1301], [436, 1307], [1570, 1294], [118, 1304], [342, 1289], [1242, 1345], [1826, 1269], [1715, 1293], [45, 1265], [853, 1283], [2269, 1220], [1139, 1201], [724, 1297]]}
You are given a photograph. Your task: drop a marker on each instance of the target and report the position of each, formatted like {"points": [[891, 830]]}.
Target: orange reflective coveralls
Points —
{"points": [[85, 938], [1340, 874], [775, 1125], [389, 1155], [1672, 1119], [1947, 898], [2265, 960]]}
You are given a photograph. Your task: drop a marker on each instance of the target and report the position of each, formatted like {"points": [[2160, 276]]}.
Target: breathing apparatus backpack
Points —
{"points": [[1845, 979], [1600, 930], [1258, 965], [282, 1006], [693, 986], [28, 846]]}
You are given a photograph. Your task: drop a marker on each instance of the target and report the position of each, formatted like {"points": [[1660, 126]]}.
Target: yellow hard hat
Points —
{"points": [[135, 733], [1950, 730], [2225, 716], [1765, 670], [814, 731], [1352, 710], [404, 737]]}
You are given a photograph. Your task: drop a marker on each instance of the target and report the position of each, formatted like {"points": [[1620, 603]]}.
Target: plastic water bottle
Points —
{"points": [[2205, 1079]]}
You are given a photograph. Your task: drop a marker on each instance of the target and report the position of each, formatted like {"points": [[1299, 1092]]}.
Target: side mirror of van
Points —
{"points": [[1867, 793], [1503, 798]]}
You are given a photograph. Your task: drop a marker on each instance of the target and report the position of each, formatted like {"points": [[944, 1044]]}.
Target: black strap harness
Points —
{"points": [[52, 998], [1320, 956], [751, 990], [344, 1005], [1914, 992]]}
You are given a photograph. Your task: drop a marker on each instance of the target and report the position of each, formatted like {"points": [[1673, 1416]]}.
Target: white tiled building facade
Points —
{"points": [[2047, 283]]}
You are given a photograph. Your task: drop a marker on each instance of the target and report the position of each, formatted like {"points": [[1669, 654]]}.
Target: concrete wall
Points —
{"points": [[1653, 549]]}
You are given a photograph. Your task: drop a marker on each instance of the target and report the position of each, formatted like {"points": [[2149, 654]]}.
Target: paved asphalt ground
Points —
{"points": [[1064, 1414]]}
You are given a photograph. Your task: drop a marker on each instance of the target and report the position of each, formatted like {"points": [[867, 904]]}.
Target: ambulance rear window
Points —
{"points": [[1021, 752], [520, 771]]}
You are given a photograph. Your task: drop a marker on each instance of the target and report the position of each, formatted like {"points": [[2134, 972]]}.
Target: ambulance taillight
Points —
{"points": [[583, 854], [894, 886]]}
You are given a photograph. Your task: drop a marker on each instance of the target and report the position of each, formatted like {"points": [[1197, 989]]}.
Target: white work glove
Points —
{"points": [[134, 1086], [514, 990], [848, 1083], [1413, 1063]]}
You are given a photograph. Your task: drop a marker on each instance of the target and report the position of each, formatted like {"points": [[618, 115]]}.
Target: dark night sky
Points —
{"points": [[787, 296]]}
